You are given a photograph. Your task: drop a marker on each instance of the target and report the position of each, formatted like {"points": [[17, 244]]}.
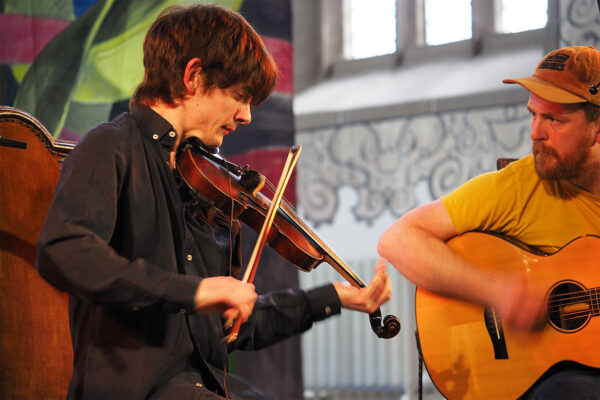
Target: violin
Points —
{"points": [[235, 192]]}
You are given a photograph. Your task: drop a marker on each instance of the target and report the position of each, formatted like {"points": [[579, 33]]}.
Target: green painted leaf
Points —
{"points": [[96, 59], [54, 75], [48, 84], [114, 65]]}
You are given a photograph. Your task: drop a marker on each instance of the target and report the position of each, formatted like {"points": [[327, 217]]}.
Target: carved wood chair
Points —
{"points": [[35, 346]]}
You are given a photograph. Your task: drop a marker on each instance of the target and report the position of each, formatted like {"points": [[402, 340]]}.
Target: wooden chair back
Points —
{"points": [[35, 346]]}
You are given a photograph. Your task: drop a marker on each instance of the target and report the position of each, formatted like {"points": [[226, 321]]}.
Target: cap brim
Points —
{"points": [[546, 91]]}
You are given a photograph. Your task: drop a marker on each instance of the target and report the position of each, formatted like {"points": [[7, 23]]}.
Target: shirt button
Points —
{"points": [[327, 310], [172, 134], [155, 136], [198, 384], [135, 308], [189, 257], [182, 311]]}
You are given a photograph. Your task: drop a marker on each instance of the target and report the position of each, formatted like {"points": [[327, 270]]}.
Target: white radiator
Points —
{"points": [[344, 359]]}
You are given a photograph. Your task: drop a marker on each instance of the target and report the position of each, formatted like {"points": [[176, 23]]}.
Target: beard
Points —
{"points": [[550, 166]]}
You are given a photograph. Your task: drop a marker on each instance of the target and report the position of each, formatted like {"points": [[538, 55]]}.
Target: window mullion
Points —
{"points": [[410, 24], [483, 21]]}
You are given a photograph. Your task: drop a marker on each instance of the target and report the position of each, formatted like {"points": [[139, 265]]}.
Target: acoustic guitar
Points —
{"points": [[468, 352]]}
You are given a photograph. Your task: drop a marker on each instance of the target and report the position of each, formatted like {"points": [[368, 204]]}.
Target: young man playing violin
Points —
{"points": [[148, 269], [545, 200]]}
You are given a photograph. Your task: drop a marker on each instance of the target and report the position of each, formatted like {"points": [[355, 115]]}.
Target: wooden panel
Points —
{"points": [[35, 344]]}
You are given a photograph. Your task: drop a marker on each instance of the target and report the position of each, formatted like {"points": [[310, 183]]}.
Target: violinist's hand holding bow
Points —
{"points": [[369, 298], [232, 297]]}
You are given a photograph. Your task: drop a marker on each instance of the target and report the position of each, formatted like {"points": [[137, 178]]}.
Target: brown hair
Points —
{"points": [[591, 110], [229, 49]]}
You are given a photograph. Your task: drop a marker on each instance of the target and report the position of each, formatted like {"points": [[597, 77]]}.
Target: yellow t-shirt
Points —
{"points": [[515, 202]]}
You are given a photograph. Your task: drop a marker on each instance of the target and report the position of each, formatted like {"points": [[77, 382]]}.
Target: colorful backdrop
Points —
{"points": [[74, 63]]}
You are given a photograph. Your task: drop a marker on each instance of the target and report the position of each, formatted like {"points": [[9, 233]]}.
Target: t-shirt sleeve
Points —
{"points": [[484, 203]]}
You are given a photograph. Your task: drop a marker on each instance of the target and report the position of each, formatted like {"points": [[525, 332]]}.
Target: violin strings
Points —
{"points": [[290, 208], [272, 187]]}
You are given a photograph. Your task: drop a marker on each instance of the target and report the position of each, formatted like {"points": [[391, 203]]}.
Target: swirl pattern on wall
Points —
{"points": [[398, 164], [579, 23]]}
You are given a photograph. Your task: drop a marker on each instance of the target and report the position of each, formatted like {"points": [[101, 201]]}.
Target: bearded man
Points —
{"points": [[545, 200]]}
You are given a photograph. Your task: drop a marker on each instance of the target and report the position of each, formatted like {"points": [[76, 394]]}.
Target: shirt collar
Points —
{"points": [[154, 125]]}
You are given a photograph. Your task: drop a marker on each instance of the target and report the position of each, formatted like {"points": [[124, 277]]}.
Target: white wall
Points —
{"points": [[356, 178]]}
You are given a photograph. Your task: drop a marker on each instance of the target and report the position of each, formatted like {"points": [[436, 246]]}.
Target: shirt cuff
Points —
{"points": [[324, 302], [182, 292]]}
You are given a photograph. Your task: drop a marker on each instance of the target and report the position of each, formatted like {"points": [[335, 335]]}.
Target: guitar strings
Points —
{"points": [[556, 305], [579, 297], [557, 302]]}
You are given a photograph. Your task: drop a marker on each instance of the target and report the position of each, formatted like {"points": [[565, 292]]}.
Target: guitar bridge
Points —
{"points": [[496, 332]]}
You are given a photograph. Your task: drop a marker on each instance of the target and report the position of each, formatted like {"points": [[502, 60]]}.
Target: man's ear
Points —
{"points": [[597, 130], [191, 74]]}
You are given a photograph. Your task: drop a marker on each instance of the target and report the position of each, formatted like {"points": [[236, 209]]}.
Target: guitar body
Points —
{"points": [[470, 355]]}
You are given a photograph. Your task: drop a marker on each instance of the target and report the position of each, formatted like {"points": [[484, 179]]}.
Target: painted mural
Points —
{"points": [[73, 64]]}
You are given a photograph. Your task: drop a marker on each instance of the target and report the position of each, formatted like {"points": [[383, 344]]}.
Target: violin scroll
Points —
{"points": [[390, 327]]}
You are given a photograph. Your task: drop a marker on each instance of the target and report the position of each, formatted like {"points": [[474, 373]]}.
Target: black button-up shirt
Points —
{"points": [[131, 251]]}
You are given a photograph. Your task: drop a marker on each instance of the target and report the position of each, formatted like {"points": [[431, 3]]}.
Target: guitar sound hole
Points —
{"points": [[568, 305]]}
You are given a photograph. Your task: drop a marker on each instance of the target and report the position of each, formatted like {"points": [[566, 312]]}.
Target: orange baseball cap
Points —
{"points": [[567, 75]]}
